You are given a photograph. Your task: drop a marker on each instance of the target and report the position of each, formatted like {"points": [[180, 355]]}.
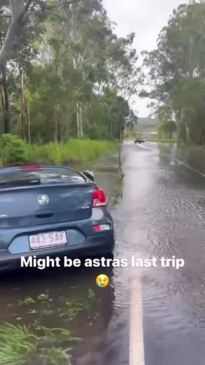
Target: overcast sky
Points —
{"points": [[145, 18]]}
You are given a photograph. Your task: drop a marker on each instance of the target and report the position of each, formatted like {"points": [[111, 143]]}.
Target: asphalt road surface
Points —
{"points": [[163, 215]]}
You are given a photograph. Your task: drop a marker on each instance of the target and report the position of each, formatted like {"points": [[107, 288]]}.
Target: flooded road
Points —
{"points": [[158, 210], [166, 202]]}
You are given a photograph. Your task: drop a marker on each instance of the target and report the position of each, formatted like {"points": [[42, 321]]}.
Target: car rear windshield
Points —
{"points": [[43, 176]]}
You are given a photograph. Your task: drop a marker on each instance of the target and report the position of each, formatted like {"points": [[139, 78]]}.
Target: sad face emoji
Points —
{"points": [[102, 281]]}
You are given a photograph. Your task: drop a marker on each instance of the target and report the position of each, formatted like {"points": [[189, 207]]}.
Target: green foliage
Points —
{"points": [[56, 356], [12, 150], [68, 308], [15, 151], [72, 309], [17, 344], [37, 343], [27, 301], [47, 346], [163, 139], [91, 297], [43, 297], [66, 76], [167, 128], [107, 115], [177, 73], [76, 150]]}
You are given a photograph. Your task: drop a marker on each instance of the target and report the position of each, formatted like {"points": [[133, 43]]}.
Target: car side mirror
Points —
{"points": [[89, 174]]}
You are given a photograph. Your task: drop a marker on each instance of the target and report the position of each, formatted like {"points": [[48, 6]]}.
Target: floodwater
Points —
{"points": [[158, 208], [70, 299], [166, 200]]}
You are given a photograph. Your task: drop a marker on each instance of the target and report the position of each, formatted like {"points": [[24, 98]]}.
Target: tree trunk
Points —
{"points": [[23, 134], [78, 119], [80, 132], [2, 104], [2, 100], [29, 122], [18, 11], [6, 101], [55, 125], [81, 121], [79, 116], [111, 129]]}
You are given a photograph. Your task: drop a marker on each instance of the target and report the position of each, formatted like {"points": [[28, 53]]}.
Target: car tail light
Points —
{"points": [[99, 198], [30, 167]]}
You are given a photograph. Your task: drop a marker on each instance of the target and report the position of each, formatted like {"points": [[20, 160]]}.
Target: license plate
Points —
{"points": [[47, 240]]}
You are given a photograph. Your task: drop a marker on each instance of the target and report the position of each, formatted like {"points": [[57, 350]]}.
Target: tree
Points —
{"points": [[69, 74], [176, 71], [19, 11]]}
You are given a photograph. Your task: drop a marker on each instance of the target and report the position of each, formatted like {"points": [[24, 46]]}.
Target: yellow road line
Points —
{"points": [[136, 350]]}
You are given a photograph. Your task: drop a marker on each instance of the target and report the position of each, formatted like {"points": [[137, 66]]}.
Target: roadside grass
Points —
{"points": [[16, 344], [20, 344], [156, 138], [14, 151], [35, 343], [76, 150]]}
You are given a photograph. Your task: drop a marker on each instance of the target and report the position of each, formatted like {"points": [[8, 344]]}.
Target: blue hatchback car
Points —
{"points": [[52, 211]]}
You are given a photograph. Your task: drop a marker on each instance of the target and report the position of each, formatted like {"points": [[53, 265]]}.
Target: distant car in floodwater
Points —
{"points": [[52, 210], [139, 140]]}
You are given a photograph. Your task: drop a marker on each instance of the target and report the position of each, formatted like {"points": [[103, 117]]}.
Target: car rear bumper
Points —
{"points": [[102, 245]]}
